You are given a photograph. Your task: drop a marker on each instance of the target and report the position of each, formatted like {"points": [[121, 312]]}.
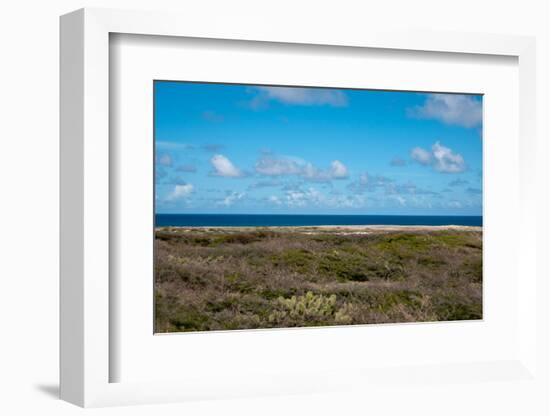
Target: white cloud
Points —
{"points": [[345, 201], [349, 201], [274, 199], [232, 198], [399, 199], [314, 198], [363, 179], [338, 170], [410, 188], [224, 167], [278, 165], [369, 183], [422, 156], [296, 199], [300, 96], [180, 191], [272, 165], [311, 173], [454, 204], [445, 160], [303, 198], [441, 158], [457, 109]]}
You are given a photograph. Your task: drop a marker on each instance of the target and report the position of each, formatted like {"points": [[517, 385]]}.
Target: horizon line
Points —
{"points": [[310, 215]]}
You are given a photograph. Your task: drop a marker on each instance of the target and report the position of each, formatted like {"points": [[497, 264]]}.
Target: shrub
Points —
{"points": [[308, 308], [344, 315], [449, 311], [274, 293], [299, 260], [404, 242], [408, 298], [430, 261], [473, 268], [344, 267], [216, 278]]}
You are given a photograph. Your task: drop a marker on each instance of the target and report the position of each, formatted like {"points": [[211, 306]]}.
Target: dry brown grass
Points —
{"points": [[220, 278]]}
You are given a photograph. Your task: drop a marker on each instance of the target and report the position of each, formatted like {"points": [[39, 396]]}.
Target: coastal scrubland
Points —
{"points": [[225, 278]]}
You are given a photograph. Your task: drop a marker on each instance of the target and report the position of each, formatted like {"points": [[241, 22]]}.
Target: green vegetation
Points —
{"points": [[242, 278]]}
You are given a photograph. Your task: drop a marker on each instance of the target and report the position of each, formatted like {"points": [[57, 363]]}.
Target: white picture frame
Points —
{"points": [[86, 356]]}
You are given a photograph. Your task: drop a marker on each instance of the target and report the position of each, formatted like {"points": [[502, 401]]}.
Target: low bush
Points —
{"points": [[219, 278], [311, 308]]}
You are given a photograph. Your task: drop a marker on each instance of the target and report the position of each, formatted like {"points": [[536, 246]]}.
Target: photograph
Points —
{"points": [[303, 206]]}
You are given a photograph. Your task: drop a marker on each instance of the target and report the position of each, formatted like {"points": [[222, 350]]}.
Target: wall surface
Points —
{"points": [[29, 209]]}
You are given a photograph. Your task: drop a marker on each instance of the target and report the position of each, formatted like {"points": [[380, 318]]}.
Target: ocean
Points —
{"points": [[260, 220]]}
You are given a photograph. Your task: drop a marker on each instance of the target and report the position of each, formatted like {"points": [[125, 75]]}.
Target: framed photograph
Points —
{"points": [[264, 211], [316, 207]]}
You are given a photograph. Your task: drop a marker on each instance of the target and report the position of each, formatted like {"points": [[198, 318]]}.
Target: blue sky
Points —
{"points": [[224, 148]]}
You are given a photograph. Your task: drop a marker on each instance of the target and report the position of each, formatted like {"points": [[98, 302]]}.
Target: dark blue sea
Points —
{"points": [[248, 220]]}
